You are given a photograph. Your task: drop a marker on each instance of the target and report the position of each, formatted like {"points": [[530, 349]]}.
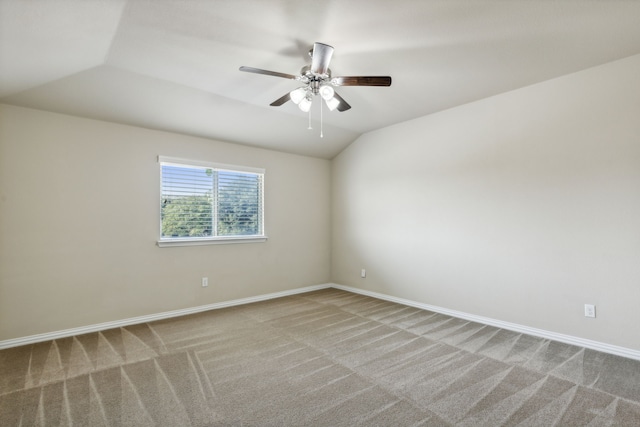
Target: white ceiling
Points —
{"points": [[173, 65]]}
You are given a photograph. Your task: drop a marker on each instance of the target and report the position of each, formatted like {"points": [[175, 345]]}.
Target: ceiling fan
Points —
{"points": [[317, 80]]}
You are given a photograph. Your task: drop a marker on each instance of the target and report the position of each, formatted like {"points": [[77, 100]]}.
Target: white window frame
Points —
{"points": [[209, 240]]}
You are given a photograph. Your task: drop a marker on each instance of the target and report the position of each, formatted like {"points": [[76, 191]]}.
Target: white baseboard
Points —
{"points": [[567, 339], [32, 339]]}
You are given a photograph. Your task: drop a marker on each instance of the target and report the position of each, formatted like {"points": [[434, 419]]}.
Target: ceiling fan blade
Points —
{"points": [[362, 81], [267, 72], [343, 106], [320, 58], [278, 102]]}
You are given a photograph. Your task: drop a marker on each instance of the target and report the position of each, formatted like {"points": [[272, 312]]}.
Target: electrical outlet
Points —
{"points": [[363, 273], [205, 282], [589, 310]]}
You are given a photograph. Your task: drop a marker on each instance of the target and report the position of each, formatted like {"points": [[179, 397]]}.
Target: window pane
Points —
{"points": [[186, 202], [239, 198]]}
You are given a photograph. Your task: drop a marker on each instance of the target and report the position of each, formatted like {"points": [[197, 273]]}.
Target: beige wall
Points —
{"points": [[521, 208], [79, 222]]}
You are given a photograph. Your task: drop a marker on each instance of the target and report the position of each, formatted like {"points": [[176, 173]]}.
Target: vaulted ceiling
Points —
{"points": [[173, 64]]}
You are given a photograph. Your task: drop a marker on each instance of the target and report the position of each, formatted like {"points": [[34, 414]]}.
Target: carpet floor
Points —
{"points": [[324, 358]]}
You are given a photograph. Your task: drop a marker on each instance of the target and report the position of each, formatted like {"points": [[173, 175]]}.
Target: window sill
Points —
{"points": [[165, 243]]}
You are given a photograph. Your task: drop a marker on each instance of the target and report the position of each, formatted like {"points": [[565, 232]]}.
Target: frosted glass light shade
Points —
{"points": [[298, 95], [305, 104], [332, 103], [326, 92]]}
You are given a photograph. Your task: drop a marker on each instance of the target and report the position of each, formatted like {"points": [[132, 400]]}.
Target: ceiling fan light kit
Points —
{"points": [[317, 80]]}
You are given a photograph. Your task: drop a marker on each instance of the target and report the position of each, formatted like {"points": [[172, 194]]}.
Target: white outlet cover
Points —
{"points": [[589, 310]]}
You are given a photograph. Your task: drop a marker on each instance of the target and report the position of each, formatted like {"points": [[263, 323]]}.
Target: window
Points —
{"points": [[206, 203]]}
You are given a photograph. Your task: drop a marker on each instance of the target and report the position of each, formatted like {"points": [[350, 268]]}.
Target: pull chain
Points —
{"points": [[321, 136], [309, 128]]}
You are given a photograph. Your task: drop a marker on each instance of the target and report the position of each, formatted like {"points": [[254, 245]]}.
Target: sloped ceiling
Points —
{"points": [[173, 65]]}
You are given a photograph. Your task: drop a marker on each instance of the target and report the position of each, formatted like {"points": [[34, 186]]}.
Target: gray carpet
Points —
{"points": [[325, 358]]}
